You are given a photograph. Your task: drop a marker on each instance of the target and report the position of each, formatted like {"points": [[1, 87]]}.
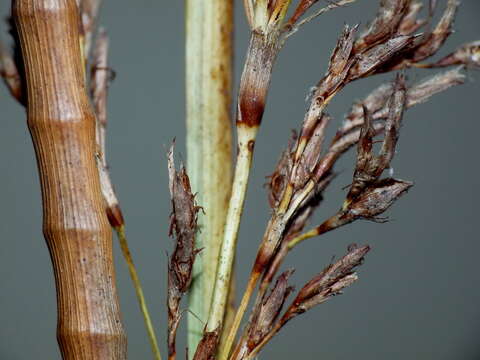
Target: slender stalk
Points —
{"points": [[250, 288], [307, 235], [209, 141], [252, 96], [62, 125], [246, 140], [138, 290], [230, 311], [232, 332], [272, 236]]}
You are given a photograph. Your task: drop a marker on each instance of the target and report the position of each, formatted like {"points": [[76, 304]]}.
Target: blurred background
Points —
{"points": [[418, 295]]}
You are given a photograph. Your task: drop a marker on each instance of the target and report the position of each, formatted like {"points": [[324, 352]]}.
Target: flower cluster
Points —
{"points": [[183, 224], [306, 168]]}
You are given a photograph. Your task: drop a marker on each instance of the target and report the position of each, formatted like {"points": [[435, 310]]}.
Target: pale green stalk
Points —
{"points": [[246, 139], [209, 145], [138, 290]]}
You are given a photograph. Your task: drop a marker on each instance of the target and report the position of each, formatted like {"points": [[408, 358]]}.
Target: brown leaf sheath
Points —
{"points": [[62, 126], [99, 82], [255, 80]]}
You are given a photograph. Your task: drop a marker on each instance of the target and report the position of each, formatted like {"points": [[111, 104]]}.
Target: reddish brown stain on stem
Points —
{"points": [[62, 126]]}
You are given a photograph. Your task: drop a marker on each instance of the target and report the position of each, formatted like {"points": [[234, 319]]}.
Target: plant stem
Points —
{"points": [[270, 241], [209, 141], [252, 97], [246, 140], [230, 311], [138, 289], [62, 126], [225, 349]]}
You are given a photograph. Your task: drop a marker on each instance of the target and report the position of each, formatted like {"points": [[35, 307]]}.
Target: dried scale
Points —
{"points": [[184, 227]]}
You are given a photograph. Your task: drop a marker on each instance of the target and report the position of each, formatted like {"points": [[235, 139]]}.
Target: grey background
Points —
{"points": [[418, 294]]}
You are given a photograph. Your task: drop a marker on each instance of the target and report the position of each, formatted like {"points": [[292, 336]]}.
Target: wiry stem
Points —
{"points": [[227, 346], [230, 310], [307, 235], [138, 290], [242, 170], [251, 103]]}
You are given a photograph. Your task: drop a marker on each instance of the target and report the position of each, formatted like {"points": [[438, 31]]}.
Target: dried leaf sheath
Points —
{"points": [[62, 125], [183, 226], [99, 82]]}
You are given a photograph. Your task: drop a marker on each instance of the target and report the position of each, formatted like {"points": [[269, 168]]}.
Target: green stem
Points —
{"points": [[209, 142], [246, 140]]}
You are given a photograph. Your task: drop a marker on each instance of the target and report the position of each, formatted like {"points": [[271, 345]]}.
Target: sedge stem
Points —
{"points": [[252, 282], [246, 140], [307, 235]]}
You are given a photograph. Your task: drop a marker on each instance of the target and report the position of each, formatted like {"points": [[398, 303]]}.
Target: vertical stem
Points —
{"points": [[225, 348], [62, 126], [252, 97], [230, 311], [246, 141], [209, 26]]}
